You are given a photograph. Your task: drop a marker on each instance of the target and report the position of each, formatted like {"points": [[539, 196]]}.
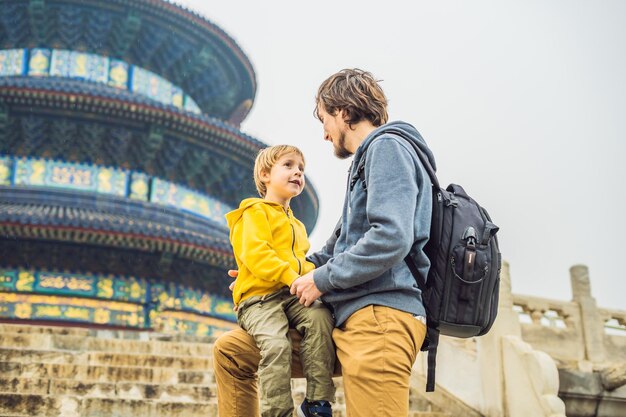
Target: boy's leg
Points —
{"points": [[265, 319], [317, 351], [377, 347], [235, 362]]}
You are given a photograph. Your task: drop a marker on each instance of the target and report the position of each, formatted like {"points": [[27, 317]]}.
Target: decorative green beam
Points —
{"points": [[126, 34], [37, 17]]}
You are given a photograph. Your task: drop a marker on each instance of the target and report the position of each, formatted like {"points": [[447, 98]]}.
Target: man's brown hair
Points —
{"points": [[357, 93]]}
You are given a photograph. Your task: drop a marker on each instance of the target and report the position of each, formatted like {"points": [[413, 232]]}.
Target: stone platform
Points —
{"points": [[77, 372]]}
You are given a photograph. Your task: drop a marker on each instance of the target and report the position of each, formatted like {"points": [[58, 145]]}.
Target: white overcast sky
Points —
{"points": [[522, 102]]}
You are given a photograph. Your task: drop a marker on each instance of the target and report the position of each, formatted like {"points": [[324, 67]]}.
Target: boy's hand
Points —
{"points": [[233, 274], [305, 289]]}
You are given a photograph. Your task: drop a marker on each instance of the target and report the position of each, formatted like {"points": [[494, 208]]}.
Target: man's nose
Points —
{"points": [[326, 136]]}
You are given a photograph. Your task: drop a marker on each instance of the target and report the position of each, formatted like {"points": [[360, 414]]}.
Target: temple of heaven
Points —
{"points": [[120, 153]]}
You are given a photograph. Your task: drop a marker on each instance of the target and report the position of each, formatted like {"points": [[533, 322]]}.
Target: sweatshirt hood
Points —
{"points": [[407, 130], [234, 216]]}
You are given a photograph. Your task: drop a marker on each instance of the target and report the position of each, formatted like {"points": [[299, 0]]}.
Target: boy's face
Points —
{"points": [[286, 178]]}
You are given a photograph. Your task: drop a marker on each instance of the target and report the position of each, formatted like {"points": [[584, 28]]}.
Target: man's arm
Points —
{"points": [[390, 210], [322, 256]]}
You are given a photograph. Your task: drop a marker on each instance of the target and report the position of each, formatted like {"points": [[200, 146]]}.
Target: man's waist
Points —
{"points": [[410, 302]]}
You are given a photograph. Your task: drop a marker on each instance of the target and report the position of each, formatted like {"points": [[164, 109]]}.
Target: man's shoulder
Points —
{"points": [[390, 149], [391, 142]]}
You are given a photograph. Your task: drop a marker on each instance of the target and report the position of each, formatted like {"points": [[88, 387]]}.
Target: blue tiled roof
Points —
{"points": [[75, 86], [179, 45], [59, 208]]}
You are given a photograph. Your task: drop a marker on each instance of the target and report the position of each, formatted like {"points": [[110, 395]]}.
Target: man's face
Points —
{"points": [[335, 129]]}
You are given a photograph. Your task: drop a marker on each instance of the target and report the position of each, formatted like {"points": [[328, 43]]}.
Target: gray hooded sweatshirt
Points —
{"points": [[363, 263]]}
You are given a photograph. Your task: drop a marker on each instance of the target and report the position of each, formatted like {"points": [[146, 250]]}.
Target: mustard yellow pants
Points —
{"points": [[376, 348]]}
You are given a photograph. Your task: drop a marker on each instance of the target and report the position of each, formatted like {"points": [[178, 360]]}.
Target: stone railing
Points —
{"points": [[499, 374], [537, 354], [573, 332]]}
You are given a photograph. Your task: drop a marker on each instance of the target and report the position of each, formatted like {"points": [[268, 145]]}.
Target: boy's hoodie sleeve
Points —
{"points": [[255, 251]]}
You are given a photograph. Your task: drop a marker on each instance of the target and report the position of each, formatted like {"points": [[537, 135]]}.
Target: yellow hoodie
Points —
{"points": [[270, 247]]}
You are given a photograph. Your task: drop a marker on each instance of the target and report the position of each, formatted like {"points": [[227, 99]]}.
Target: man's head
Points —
{"points": [[356, 93], [345, 99], [291, 161]]}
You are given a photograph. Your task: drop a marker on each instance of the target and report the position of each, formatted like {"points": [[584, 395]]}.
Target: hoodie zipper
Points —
{"points": [[293, 243]]}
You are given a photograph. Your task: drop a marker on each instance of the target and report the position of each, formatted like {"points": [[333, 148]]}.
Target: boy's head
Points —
{"points": [[356, 93], [266, 159]]}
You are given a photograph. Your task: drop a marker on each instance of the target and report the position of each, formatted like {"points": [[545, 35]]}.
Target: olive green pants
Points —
{"points": [[268, 319], [377, 347]]}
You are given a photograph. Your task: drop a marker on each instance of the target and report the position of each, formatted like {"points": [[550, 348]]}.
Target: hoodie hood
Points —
{"points": [[234, 216], [407, 130]]}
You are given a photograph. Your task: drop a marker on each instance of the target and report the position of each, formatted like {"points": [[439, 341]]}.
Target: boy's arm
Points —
{"points": [[255, 250], [320, 257]]}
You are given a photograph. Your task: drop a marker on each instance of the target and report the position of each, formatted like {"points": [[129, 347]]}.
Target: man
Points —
{"points": [[360, 273]]}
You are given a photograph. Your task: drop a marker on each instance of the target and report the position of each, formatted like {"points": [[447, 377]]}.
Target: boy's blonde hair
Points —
{"points": [[266, 159]]}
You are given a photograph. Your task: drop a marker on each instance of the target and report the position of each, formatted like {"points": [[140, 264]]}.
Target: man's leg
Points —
{"points": [[235, 362], [377, 347]]}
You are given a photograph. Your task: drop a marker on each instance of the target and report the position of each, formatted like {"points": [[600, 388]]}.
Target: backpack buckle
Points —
{"points": [[451, 201]]}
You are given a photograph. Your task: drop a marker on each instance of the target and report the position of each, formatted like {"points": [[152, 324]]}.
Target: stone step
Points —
{"points": [[18, 385], [38, 405], [94, 373], [97, 407], [39, 356], [105, 358], [43, 341], [70, 406], [121, 390], [127, 334], [150, 360], [30, 329]]}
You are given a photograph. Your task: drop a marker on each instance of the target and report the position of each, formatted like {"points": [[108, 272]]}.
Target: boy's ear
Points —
{"points": [[264, 175]]}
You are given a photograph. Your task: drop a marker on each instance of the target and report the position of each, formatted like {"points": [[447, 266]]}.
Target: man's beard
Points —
{"points": [[340, 148]]}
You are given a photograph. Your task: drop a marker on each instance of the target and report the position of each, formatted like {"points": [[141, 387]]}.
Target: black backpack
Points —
{"points": [[460, 294]]}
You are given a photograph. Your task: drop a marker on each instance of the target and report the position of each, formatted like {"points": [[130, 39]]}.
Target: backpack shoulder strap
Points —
{"points": [[421, 155]]}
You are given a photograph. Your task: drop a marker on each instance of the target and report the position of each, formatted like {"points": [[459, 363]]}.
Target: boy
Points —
{"points": [[270, 247]]}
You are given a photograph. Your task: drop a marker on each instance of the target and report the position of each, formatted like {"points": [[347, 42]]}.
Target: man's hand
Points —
{"points": [[233, 274], [305, 289]]}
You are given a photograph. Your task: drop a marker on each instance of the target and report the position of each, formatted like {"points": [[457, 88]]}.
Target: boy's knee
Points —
{"points": [[277, 347], [319, 317]]}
